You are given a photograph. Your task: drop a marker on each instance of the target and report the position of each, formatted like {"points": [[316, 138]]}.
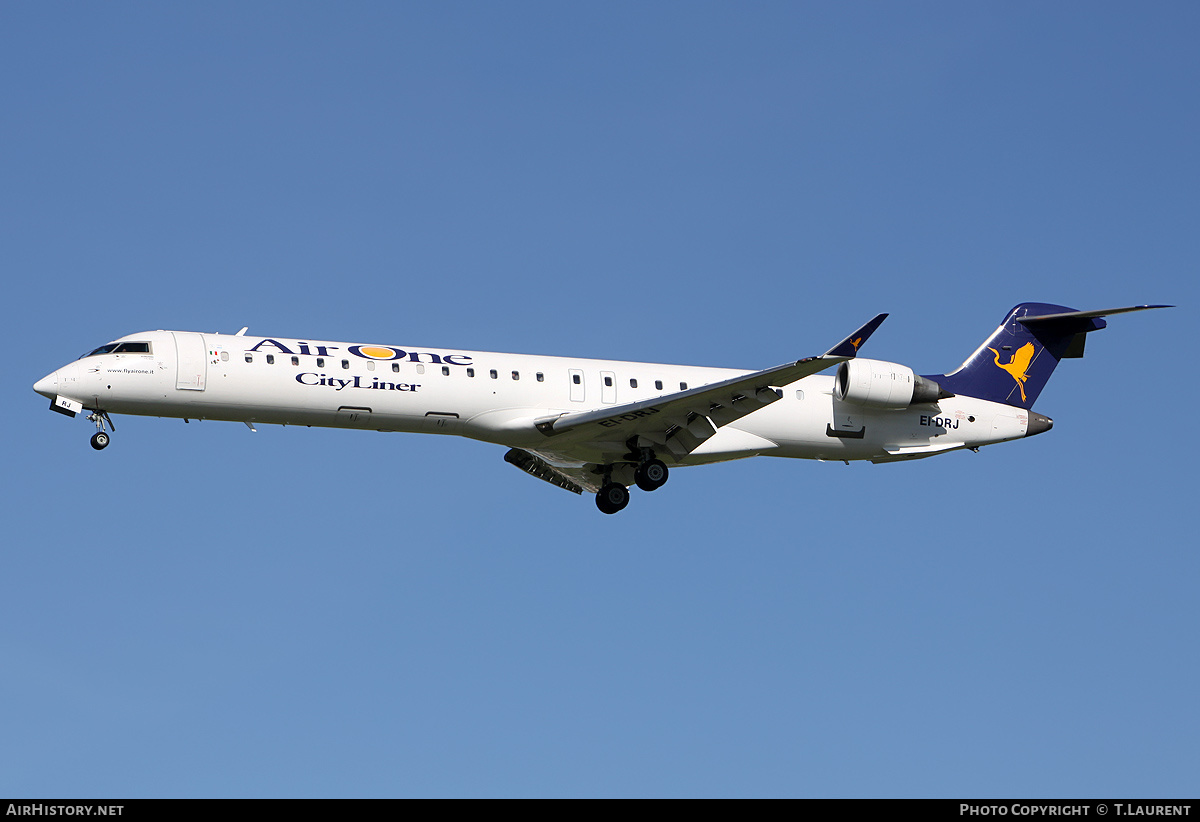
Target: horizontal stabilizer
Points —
{"points": [[1085, 315]]}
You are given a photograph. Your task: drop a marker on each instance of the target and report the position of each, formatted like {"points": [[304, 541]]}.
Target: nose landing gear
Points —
{"points": [[100, 438]]}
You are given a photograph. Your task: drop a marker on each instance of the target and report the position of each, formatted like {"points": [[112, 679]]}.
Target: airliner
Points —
{"points": [[599, 426]]}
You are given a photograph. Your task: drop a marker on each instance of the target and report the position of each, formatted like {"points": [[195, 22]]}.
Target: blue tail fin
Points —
{"points": [[1015, 363]]}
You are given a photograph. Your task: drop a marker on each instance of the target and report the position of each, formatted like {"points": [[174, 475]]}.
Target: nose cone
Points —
{"points": [[47, 386], [1038, 424]]}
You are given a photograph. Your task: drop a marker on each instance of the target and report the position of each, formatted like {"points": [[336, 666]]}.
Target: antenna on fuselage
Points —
{"points": [[242, 333]]}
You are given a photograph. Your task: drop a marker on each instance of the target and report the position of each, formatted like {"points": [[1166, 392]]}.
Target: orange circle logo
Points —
{"points": [[376, 352]]}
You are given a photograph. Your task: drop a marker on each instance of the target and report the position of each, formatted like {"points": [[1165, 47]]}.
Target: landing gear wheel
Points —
{"points": [[651, 475], [99, 440], [612, 498]]}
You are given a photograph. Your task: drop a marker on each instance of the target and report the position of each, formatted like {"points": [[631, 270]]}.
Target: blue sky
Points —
{"points": [[202, 611]]}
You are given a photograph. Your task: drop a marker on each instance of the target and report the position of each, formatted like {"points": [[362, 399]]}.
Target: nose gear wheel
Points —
{"points": [[100, 439]]}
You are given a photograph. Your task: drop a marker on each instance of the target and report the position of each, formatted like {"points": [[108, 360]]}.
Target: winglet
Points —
{"points": [[849, 346]]}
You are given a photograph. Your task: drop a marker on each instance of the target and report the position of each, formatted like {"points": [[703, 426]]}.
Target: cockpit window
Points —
{"points": [[120, 348]]}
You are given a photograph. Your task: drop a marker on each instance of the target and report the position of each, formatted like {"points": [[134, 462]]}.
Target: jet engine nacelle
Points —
{"points": [[878, 384]]}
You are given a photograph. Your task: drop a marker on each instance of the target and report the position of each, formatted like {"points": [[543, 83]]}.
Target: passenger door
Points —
{"points": [[191, 361]]}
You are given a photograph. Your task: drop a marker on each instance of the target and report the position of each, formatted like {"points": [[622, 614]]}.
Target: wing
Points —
{"points": [[676, 424]]}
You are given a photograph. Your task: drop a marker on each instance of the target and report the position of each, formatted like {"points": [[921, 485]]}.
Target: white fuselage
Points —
{"points": [[494, 397]]}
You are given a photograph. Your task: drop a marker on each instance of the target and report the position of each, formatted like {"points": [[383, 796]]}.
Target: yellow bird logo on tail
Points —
{"points": [[856, 343], [1018, 365]]}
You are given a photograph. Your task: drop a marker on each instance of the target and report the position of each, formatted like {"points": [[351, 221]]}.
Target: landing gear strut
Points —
{"points": [[100, 438]]}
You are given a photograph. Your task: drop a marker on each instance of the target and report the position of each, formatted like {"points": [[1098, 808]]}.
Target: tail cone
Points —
{"points": [[1038, 424]]}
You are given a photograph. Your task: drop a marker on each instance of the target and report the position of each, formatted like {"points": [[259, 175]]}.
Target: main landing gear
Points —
{"points": [[650, 475], [612, 497], [100, 438]]}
